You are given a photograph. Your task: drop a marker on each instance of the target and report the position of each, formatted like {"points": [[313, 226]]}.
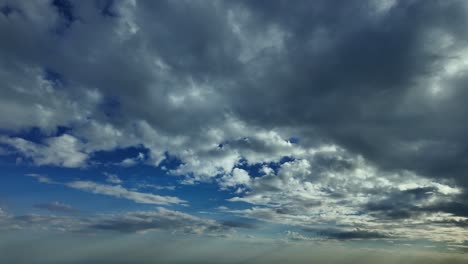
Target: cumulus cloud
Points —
{"points": [[329, 187], [237, 177]]}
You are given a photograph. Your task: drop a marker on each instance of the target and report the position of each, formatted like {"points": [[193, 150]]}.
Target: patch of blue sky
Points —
{"points": [[255, 170]]}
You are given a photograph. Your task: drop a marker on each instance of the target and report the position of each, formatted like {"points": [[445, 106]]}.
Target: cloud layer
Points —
{"points": [[346, 119]]}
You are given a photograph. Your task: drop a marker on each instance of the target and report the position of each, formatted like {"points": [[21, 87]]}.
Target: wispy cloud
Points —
{"points": [[116, 191], [112, 178], [56, 207], [121, 192]]}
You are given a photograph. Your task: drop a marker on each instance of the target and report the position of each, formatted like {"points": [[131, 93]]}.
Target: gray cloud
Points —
{"points": [[364, 85], [459, 208], [238, 224], [160, 219], [401, 204]]}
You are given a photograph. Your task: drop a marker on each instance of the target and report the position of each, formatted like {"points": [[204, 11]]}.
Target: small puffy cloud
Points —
{"points": [[128, 162], [112, 178], [237, 177]]}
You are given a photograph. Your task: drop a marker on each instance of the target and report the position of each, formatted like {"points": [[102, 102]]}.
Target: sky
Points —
{"points": [[246, 131]]}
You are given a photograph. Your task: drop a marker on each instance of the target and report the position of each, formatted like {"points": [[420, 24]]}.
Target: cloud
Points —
{"points": [[376, 102], [218, 77], [41, 178], [55, 207], [3, 214], [329, 187], [62, 151], [120, 192], [161, 219], [237, 177], [348, 234], [112, 178], [132, 161], [115, 191], [336, 234], [238, 224], [155, 187], [35, 222]]}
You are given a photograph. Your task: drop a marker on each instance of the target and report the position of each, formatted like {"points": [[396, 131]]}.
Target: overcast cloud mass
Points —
{"points": [[233, 131]]}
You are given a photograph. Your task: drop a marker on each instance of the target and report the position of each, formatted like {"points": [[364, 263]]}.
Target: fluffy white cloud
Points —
{"points": [[237, 177]]}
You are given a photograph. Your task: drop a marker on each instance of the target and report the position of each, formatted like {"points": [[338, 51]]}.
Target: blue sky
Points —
{"points": [[233, 131]]}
